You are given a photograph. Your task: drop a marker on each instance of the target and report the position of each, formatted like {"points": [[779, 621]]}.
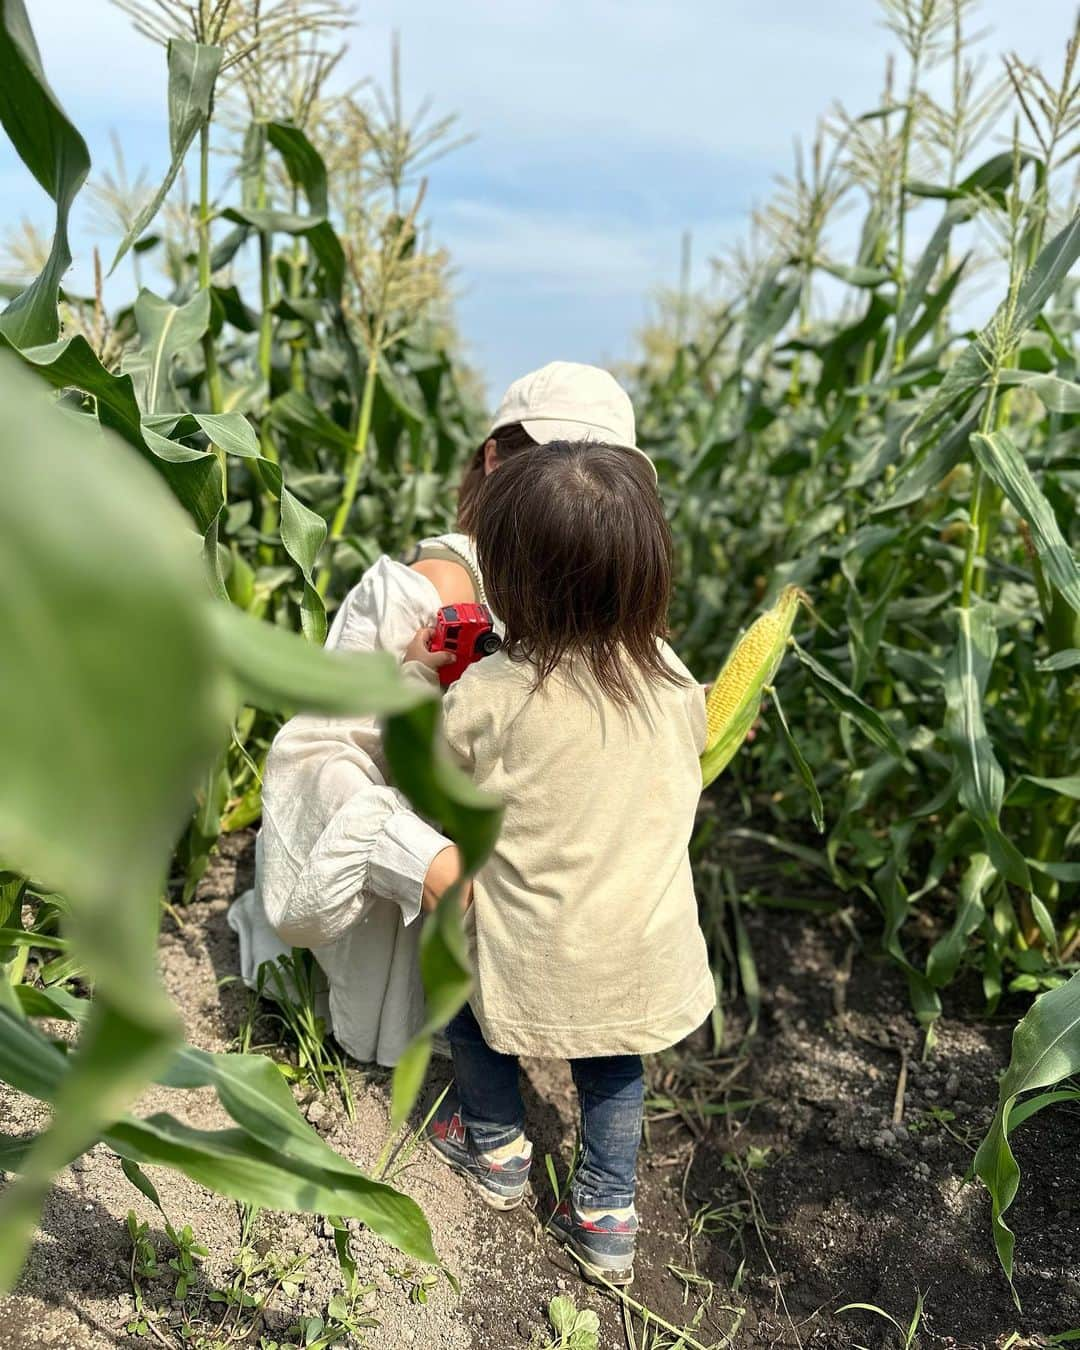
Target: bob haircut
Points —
{"points": [[576, 558]]}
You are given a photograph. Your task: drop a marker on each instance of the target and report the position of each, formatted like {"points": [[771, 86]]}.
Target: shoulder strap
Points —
{"points": [[438, 550]]}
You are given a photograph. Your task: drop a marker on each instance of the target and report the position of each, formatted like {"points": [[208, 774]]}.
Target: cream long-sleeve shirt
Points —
{"points": [[584, 926], [341, 857]]}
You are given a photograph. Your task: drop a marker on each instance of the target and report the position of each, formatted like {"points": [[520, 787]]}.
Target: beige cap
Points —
{"points": [[566, 401]]}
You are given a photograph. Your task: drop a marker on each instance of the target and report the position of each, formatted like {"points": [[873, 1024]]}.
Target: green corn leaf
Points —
{"points": [[1067, 785], [846, 701], [1045, 1050], [274, 1147], [166, 330], [1057, 395], [1025, 1110], [777, 720], [447, 978], [319, 233], [295, 414], [232, 1163], [231, 432], [303, 163], [982, 784], [273, 670], [98, 800], [947, 952], [193, 475], [956, 213], [924, 469], [1004, 463], [990, 177], [435, 786], [54, 152], [193, 72], [438, 789], [972, 366], [1065, 660], [896, 907], [865, 277], [771, 306]]}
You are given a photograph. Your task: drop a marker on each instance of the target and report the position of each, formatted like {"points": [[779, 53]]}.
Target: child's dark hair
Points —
{"points": [[575, 554], [509, 441]]}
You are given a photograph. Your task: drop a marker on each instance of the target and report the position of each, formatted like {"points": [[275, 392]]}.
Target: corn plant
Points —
{"points": [[136, 666], [919, 481], [111, 722], [259, 415], [920, 484]]}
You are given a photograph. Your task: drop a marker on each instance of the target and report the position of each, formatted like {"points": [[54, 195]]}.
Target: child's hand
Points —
{"points": [[419, 649]]}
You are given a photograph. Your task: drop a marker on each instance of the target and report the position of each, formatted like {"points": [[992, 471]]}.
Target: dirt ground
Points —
{"points": [[759, 1221]]}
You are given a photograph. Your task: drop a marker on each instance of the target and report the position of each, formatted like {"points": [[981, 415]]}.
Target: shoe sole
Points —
{"points": [[591, 1272], [502, 1203]]}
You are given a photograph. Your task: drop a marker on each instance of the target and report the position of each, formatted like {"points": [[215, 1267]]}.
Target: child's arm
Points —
{"points": [[419, 662]]}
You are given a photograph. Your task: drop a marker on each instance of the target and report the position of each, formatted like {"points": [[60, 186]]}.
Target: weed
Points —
{"points": [[908, 1333], [573, 1330], [292, 988]]}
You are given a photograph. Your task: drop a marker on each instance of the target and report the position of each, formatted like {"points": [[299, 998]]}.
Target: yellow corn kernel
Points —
{"points": [[735, 698]]}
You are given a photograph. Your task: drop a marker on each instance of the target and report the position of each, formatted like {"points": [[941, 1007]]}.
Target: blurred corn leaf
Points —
{"points": [[55, 154]]}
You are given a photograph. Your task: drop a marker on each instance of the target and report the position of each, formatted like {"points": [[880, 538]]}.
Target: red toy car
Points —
{"points": [[467, 631]]}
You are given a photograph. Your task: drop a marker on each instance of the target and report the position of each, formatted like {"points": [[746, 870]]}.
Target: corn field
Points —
{"points": [[194, 479]]}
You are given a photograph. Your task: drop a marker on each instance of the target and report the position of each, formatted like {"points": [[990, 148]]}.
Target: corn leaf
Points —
{"points": [[296, 414], [271, 669], [193, 72], [54, 152], [1045, 1050], [1065, 660], [1057, 395], [471, 818], [982, 783], [98, 801], [947, 952], [303, 163], [1005, 464], [775, 715], [166, 331], [846, 701]]}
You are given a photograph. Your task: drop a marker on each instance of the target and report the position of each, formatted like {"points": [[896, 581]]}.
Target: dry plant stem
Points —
{"points": [[352, 478], [901, 1089]]}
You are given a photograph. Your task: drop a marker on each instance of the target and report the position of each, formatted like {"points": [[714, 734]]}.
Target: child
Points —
{"points": [[583, 925]]}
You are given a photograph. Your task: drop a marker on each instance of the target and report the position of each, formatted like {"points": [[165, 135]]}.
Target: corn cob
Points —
{"points": [[735, 698]]}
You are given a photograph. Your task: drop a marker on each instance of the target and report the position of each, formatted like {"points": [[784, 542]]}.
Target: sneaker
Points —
{"points": [[499, 1175], [603, 1241]]}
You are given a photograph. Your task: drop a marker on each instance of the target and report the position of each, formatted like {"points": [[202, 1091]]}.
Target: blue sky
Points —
{"points": [[603, 129]]}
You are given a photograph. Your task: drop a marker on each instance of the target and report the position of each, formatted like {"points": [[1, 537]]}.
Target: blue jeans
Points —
{"points": [[610, 1091]]}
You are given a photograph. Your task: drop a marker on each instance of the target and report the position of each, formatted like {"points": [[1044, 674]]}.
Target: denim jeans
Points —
{"points": [[610, 1092]]}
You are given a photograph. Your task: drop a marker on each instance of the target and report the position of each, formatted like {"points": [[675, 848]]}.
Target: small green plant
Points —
{"points": [[419, 1284], [755, 1159], [908, 1334], [561, 1189], [292, 986], [574, 1330], [188, 1253]]}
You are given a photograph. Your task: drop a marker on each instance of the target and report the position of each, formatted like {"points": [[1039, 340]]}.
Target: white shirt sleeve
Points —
{"points": [[336, 836]]}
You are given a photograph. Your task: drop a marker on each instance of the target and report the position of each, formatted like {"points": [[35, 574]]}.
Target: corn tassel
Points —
{"points": [[735, 699]]}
